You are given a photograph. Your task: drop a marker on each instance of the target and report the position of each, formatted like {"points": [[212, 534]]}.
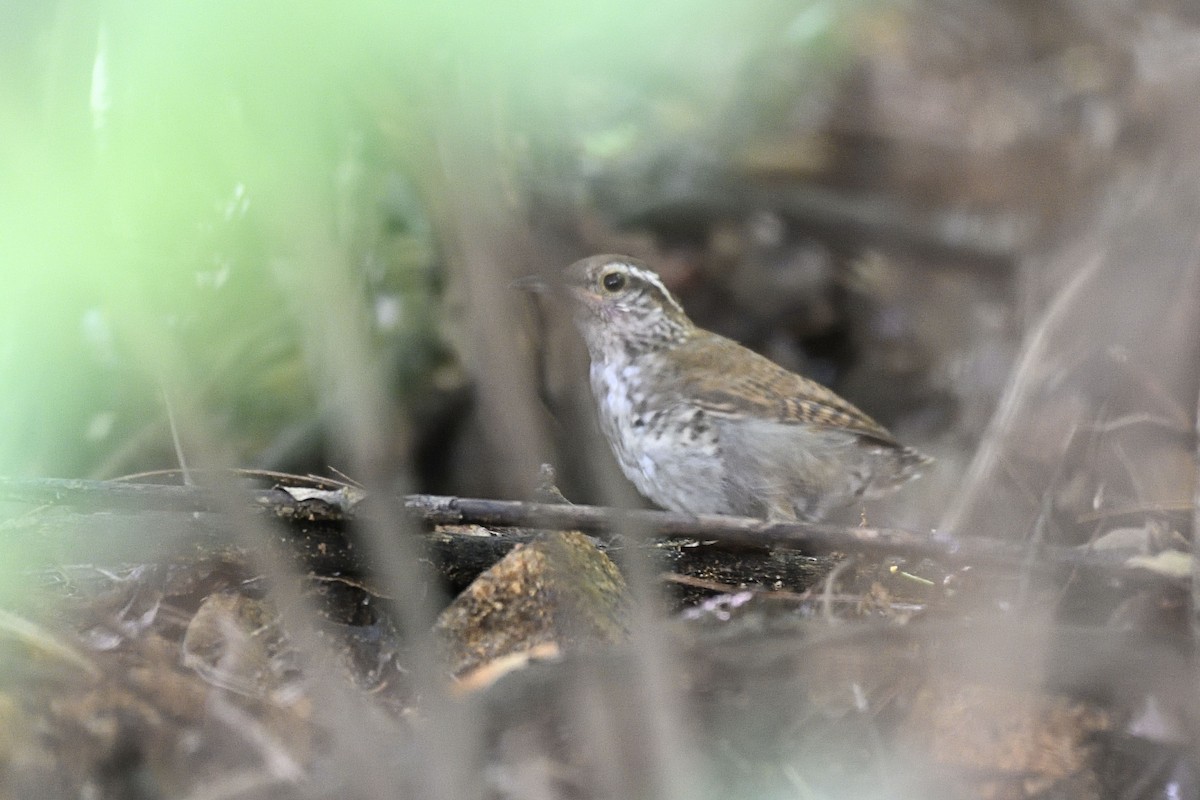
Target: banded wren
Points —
{"points": [[702, 425]]}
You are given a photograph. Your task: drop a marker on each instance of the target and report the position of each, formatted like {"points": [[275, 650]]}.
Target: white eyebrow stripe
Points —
{"points": [[651, 278]]}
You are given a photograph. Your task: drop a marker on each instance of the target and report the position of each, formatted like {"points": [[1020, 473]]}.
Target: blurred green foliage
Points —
{"points": [[181, 180], [215, 205]]}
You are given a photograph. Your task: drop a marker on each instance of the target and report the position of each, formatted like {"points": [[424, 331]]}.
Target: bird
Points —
{"points": [[702, 425]]}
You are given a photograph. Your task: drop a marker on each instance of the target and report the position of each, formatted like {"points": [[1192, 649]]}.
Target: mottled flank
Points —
{"points": [[700, 424]]}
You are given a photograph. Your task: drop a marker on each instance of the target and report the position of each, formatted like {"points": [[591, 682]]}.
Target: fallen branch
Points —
{"points": [[346, 503]]}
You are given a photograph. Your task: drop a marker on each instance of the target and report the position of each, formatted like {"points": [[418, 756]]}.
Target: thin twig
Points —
{"points": [[1033, 357], [1196, 527], [830, 580], [691, 581], [175, 438]]}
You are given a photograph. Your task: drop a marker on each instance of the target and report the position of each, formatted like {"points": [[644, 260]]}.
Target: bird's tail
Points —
{"points": [[909, 463], [912, 462]]}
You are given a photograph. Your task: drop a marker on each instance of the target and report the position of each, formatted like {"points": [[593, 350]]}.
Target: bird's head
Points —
{"points": [[619, 298], [616, 301]]}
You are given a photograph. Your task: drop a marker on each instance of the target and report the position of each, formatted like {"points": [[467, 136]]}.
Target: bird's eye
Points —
{"points": [[613, 282]]}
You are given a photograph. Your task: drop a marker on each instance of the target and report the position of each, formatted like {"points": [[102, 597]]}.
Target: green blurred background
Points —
{"points": [[195, 196]]}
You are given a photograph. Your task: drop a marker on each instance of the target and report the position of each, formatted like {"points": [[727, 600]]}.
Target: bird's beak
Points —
{"points": [[532, 283]]}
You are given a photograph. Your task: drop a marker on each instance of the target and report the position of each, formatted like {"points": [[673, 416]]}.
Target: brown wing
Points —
{"points": [[724, 378]]}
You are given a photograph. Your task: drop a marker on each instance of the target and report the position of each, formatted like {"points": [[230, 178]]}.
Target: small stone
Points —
{"points": [[560, 590]]}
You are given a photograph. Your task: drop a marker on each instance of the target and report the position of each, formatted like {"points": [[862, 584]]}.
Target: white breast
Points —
{"points": [[616, 408], [679, 475]]}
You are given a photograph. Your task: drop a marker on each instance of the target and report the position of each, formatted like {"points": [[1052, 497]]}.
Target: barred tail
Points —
{"points": [[907, 464]]}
